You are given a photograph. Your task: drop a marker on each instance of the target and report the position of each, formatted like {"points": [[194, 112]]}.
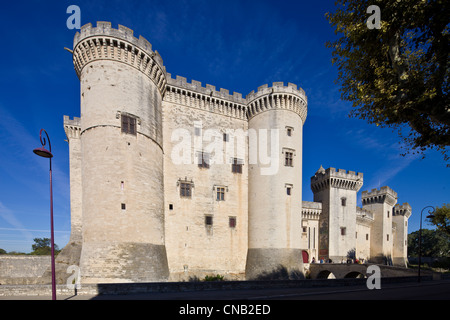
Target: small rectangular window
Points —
{"points": [[203, 159], [367, 236], [387, 237], [343, 202], [288, 159], [123, 206], [232, 222], [128, 124], [220, 194], [225, 137], [208, 221], [289, 131], [185, 190], [343, 231], [236, 166], [170, 206], [288, 191]]}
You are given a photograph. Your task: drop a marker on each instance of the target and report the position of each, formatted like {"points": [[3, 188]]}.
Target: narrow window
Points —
{"points": [[387, 237], [309, 237], [367, 236], [343, 202], [208, 221], [289, 131], [123, 206], [128, 124], [388, 214], [220, 194], [185, 190], [170, 206], [203, 160], [225, 137], [232, 222], [236, 166], [288, 156], [343, 231], [288, 191]]}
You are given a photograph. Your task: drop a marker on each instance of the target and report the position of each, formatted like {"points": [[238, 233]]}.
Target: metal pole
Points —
{"points": [[42, 152], [420, 243], [52, 236], [430, 215]]}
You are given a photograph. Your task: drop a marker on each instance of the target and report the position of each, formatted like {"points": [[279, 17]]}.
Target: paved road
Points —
{"points": [[427, 290]]}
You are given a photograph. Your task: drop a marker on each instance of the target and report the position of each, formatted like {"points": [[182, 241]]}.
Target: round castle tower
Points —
{"points": [[122, 84], [276, 116]]}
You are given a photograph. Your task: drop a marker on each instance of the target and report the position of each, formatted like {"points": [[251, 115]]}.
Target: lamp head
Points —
{"points": [[42, 152]]}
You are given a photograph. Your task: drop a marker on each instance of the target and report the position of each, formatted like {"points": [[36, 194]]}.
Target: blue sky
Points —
{"points": [[236, 45]]}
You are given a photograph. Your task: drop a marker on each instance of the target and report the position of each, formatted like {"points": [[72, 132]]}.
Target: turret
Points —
{"points": [[276, 116], [381, 202], [122, 84], [336, 190], [401, 214]]}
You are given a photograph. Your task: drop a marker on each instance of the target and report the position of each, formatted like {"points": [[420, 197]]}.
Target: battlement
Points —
{"points": [[105, 43], [402, 210], [384, 194], [208, 90], [277, 87], [364, 217], [278, 96], [104, 28], [311, 210], [72, 127], [337, 179]]}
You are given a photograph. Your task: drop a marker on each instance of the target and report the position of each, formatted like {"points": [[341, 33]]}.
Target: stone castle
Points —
{"points": [[171, 180]]}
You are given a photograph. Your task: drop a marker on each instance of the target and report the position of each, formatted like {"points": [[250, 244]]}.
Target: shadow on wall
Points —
{"points": [[281, 273]]}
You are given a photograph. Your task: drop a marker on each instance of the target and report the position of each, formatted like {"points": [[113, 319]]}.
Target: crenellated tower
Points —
{"points": [[401, 214], [276, 116], [381, 202], [122, 82], [336, 190]]}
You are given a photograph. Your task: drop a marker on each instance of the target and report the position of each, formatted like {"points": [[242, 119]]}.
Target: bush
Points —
{"points": [[217, 277]]}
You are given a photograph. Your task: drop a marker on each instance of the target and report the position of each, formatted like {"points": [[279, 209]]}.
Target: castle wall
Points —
{"points": [[170, 177], [337, 226], [122, 157], [401, 214], [364, 221], [381, 203], [276, 117], [193, 124], [311, 212]]}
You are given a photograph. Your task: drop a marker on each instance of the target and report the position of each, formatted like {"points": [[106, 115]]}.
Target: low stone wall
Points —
{"points": [[22, 269], [139, 288]]}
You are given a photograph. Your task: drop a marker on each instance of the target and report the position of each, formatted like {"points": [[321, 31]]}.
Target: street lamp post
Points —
{"points": [[43, 152], [429, 216]]}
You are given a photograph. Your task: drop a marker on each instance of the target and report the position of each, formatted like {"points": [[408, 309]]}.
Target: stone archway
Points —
{"points": [[326, 274], [354, 275]]}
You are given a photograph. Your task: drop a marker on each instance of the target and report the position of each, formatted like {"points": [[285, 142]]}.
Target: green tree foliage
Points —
{"points": [[397, 76], [42, 246], [434, 244], [442, 219]]}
